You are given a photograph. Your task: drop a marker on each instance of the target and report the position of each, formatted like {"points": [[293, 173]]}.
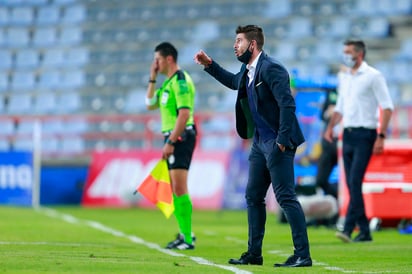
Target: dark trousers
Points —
{"points": [[268, 164], [327, 161], [357, 151]]}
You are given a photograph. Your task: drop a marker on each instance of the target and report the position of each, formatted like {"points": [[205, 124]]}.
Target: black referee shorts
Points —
{"points": [[184, 147]]}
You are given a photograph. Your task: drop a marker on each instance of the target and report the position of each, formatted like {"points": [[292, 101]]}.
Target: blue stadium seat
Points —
{"points": [[6, 59], [206, 30], [2, 107], [4, 145], [285, 51], [20, 104], [27, 58], [23, 144], [45, 103], [17, 37], [386, 68], [53, 58], [11, 3], [64, 2], [401, 71], [76, 57], [405, 52], [2, 38], [75, 126], [72, 78], [4, 81], [135, 101], [35, 2], [49, 79], [395, 93], [25, 127], [7, 126], [277, 9], [21, 15], [45, 36], [367, 27], [4, 16], [52, 126], [73, 144], [68, 102], [327, 8], [23, 80], [74, 14], [48, 15], [70, 36], [327, 50], [339, 27], [364, 7], [50, 144], [390, 7], [304, 8], [299, 27]]}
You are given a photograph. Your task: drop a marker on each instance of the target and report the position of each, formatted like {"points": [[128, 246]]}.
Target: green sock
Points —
{"points": [[183, 214]]}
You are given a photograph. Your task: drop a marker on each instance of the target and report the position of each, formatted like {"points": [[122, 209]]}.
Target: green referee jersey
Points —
{"points": [[176, 92]]}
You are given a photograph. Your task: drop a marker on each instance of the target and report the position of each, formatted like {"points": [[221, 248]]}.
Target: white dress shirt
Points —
{"points": [[360, 95], [252, 69]]}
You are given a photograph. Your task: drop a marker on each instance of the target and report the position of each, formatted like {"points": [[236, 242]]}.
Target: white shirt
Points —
{"points": [[252, 69], [360, 95]]}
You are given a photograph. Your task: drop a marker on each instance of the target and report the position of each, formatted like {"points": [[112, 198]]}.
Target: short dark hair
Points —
{"points": [[252, 32], [166, 49], [359, 45]]}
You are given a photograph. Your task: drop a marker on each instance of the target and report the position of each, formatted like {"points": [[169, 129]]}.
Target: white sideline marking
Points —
{"points": [[98, 226], [53, 244]]}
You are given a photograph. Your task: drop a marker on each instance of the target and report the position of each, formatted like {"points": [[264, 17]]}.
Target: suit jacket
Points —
{"points": [[272, 98]]}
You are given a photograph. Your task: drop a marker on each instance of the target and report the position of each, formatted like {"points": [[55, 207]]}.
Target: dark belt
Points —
{"points": [[350, 129], [167, 133]]}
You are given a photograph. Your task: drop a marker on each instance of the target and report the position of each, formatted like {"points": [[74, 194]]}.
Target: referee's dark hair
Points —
{"points": [[167, 49], [358, 44]]}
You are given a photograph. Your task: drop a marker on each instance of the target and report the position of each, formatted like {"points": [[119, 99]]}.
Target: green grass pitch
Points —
{"points": [[97, 240]]}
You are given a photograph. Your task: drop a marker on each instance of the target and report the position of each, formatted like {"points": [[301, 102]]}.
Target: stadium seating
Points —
{"points": [[27, 58], [93, 57], [4, 81]]}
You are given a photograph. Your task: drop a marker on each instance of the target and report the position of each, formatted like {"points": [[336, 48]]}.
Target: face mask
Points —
{"points": [[349, 60], [245, 57]]}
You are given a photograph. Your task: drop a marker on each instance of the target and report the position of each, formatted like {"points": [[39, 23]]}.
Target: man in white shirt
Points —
{"points": [[362, 91]]}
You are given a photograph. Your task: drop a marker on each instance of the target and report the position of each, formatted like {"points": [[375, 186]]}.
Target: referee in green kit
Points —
{"points": [[175, 98]]}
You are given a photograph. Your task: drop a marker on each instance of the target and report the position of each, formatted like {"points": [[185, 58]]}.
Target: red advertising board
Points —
{"points": [[387, 185], [114, 175]]}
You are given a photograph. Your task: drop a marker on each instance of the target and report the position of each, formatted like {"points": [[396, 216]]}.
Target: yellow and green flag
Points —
{"points": [[158, 189]]}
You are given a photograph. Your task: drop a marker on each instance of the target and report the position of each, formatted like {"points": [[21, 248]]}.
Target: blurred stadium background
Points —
{"points": [[81, 67]]}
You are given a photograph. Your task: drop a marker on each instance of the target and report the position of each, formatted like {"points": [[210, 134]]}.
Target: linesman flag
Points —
{"points": [[157, 188]]}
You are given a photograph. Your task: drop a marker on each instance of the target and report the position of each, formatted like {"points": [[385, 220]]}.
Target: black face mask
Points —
{"points": [[245, 57]]}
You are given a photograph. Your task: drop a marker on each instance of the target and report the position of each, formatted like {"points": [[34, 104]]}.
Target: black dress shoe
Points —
{"points": [[247, 258], [296, 261], [363, 237]]}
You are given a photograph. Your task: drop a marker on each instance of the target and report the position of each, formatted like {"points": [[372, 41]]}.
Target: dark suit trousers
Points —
{"points": [[268, 164], [357, 151], [327, 161]]}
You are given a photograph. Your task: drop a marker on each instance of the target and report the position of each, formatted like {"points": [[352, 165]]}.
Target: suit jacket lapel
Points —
{"points": [[258, 65]]}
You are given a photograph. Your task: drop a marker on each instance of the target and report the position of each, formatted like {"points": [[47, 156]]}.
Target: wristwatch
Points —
{"points": [[382, 135], [170, 142]]}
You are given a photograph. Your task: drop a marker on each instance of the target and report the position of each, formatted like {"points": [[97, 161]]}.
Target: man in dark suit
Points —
{"points": [[265, 110]]}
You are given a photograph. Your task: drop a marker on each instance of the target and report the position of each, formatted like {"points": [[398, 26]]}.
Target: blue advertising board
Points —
{"points": [[16, 178]]}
